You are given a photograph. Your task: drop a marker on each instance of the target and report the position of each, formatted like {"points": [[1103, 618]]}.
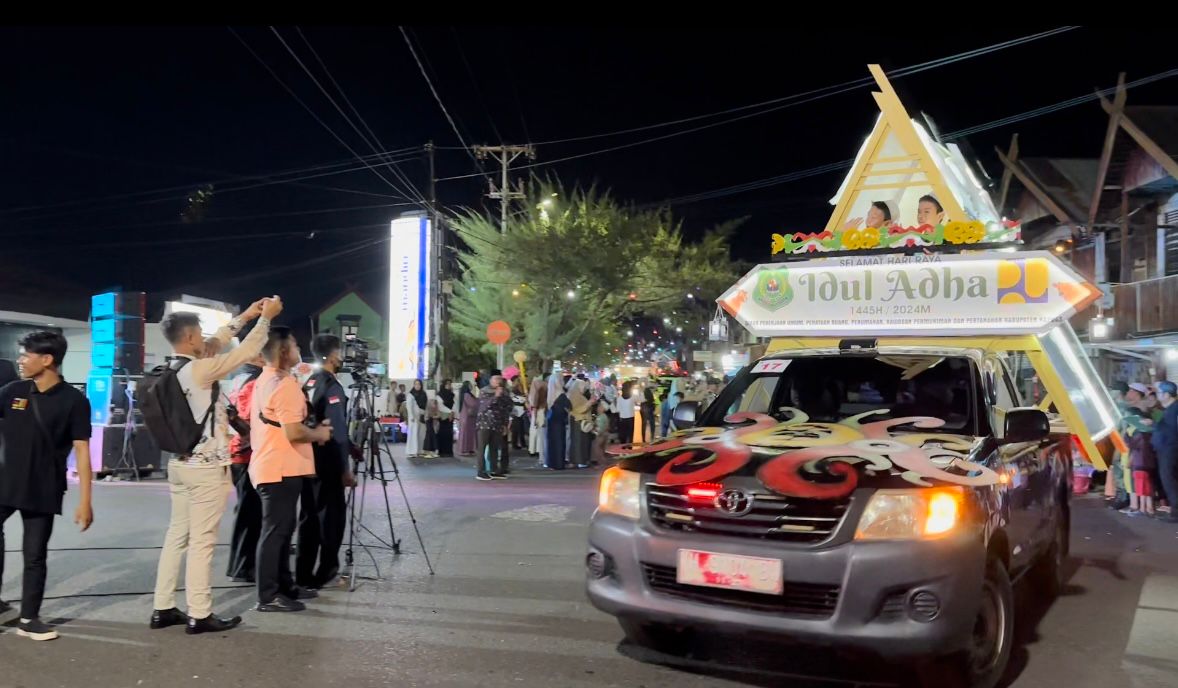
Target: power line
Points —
{"points": [[438, 98], [898, 73], [321, 258], [396, 172], [1079, 100], [310, 111], [230, 178], [831, 167], [227, 237], [224, 218], [412, 190], [475, 82], [221, 190], [794, 100]]}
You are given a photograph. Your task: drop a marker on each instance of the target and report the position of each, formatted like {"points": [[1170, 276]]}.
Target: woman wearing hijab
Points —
{"points": [[601, 439], [538, 404], [415, 405], [558, 422], [445, 431], [429, 446], [581, 416], [468, 412]]}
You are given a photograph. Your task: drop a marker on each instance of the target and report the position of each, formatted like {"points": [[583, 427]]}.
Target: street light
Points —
{"points": [[572, 294]]}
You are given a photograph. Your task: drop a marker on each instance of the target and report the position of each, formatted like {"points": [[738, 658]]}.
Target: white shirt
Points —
{"points": [[197, 378], [625, 408]]}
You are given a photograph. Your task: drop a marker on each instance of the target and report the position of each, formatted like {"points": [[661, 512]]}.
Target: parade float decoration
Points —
{"points": [[897, 167]]}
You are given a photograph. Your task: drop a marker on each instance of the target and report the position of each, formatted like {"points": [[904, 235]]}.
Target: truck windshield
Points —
{"points": [[829, 389]]}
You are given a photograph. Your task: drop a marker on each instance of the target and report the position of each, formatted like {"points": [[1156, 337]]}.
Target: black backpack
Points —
{"points": [[166, 412]]}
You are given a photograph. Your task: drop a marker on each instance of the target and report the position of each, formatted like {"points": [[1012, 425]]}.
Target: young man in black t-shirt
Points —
{"points": [[41, 420]]}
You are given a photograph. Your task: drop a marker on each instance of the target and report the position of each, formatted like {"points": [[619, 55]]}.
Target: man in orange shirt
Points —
{"points": [[281, 458]]}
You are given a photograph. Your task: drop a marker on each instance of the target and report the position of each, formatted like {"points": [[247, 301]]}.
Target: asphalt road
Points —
{"points": [[506, 606]]}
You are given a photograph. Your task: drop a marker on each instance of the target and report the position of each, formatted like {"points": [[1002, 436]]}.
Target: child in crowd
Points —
{"points": [[1143, 462]]}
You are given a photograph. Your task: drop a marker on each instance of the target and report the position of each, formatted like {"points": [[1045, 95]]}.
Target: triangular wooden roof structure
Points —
{"points": [[900, 162]]}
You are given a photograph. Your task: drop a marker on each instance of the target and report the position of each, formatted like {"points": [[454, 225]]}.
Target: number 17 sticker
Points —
{"points": [[771, 365]]}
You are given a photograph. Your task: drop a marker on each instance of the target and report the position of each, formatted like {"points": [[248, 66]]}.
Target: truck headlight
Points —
{"points": [[619, 492], [911, 514]]}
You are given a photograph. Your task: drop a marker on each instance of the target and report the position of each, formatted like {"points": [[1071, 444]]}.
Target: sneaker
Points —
{"points": [[1127, 511], [35, 629], [1133, 514], [499, 476], [483, 476]]}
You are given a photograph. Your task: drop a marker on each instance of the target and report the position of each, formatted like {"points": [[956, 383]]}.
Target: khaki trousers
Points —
{"points": [[199, 497]]}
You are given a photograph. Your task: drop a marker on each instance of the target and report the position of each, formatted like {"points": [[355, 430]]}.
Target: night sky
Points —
{"points": [[94, 118]]}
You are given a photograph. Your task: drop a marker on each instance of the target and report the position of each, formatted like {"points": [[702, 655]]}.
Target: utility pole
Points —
{"points": [[438, 240], [504, 155]]}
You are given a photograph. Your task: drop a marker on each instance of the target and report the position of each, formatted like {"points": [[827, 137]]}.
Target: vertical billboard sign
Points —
{"points": [[409, 297]]}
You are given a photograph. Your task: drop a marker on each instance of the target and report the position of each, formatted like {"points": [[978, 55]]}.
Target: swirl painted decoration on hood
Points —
{"points": [[816, 460]]}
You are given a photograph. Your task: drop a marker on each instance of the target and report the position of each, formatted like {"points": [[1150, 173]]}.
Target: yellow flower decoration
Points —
{"points": [[961, 232], [852, 239]]}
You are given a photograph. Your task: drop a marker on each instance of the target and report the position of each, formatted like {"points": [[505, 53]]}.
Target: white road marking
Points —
{"points": [[540, 513]]}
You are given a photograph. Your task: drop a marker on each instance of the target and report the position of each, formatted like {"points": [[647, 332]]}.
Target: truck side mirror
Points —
{"points": [[1026, 425], [685, 414]]}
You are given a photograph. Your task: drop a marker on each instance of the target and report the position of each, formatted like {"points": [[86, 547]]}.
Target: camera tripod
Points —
{"points": [[127, 462], [369, 463]]}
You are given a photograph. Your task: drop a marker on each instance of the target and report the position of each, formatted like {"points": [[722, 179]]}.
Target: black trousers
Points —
{"points": [[626, 430], [648, 424], [493, 456], [280, 503], [38, 528], [247, 525], [322, 521], [1168, 472], [519, 432]]}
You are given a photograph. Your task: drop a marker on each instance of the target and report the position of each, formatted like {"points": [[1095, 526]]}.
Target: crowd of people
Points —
{"points": [[563, 421], [1144, 481], [282, 445]]}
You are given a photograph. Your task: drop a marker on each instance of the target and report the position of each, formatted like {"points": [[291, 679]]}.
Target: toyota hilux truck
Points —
{"points": [[880, 494]]}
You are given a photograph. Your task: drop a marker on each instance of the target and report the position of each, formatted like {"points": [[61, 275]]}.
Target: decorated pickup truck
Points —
{"points": [[875, 481]]}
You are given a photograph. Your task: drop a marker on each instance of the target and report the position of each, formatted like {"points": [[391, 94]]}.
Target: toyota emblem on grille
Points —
{"points": [[735, 502]]}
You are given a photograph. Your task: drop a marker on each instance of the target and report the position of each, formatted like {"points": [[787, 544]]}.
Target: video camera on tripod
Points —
{"points": [[355, 354], [358, 361]]}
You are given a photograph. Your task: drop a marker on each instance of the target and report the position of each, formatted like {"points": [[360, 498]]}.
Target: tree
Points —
{"points": [[570, 266]]}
